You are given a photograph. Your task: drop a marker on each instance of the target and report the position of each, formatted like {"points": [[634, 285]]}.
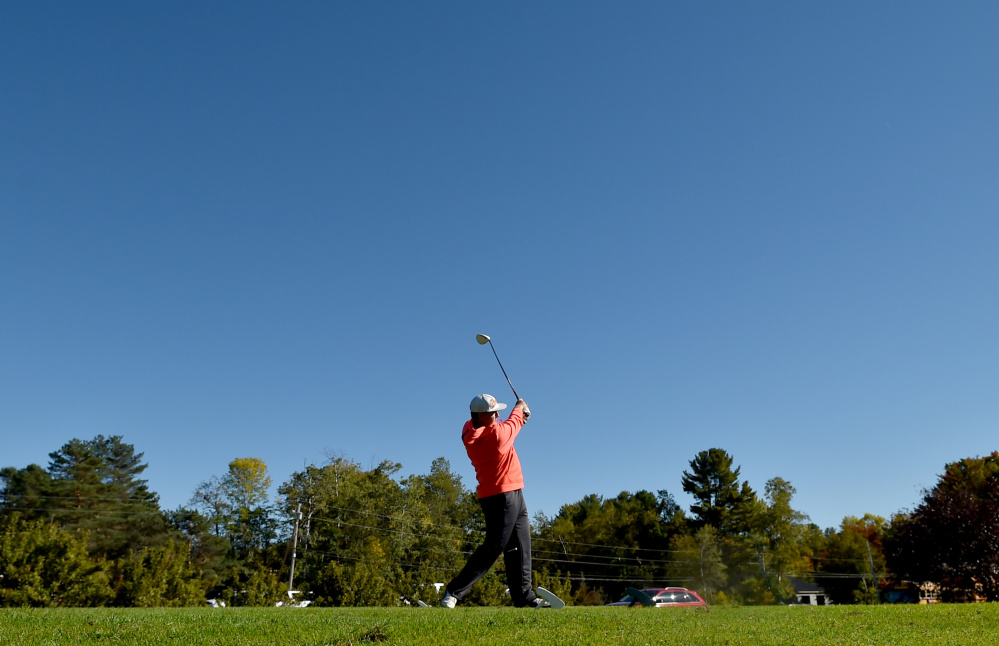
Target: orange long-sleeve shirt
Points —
{"points": [[490, 448]]}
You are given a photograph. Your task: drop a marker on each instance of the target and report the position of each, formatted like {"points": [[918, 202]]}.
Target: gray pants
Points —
{"points": [[508, 532]]}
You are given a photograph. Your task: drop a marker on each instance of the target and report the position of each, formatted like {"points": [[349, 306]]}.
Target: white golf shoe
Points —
{"points": [[449, 600]]}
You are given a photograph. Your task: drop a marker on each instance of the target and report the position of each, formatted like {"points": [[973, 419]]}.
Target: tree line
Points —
{"points": [[86, 531]]}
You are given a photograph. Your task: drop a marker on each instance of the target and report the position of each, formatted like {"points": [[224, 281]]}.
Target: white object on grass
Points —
{"points": [[550, 597]]}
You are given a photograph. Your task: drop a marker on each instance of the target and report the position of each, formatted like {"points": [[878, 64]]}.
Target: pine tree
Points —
{"points": [[721, 503], [25, 491], [95, 488]]}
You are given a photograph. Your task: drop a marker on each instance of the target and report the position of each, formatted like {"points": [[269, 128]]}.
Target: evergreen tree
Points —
{"points": [[714, 484], [95, 488], [26, 491], [138, 521], [77, 496]]}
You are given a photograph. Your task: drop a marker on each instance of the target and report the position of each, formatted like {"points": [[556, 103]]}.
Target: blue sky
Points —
{"points": [[273, 230]]}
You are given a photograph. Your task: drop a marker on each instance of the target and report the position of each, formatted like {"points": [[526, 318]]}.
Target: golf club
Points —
{"points": [[483, 339]]}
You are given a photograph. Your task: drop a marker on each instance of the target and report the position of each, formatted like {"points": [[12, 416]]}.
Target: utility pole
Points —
{"points": [[294, 546], [874, 574]]}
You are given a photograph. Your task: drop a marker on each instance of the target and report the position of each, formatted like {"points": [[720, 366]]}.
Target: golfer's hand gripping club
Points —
{"points": [[523, 406]]}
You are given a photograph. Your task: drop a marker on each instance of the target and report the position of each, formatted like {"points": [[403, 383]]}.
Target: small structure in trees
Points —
{"points": [[808, 594]]}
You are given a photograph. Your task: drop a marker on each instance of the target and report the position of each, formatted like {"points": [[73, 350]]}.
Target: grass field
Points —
{"points": [[794, 626]]}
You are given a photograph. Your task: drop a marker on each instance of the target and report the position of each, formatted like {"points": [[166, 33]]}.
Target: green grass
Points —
{"points": [[936, 625]]}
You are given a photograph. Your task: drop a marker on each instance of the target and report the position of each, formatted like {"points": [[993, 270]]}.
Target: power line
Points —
{"points": [[404, 519], [558, 542], [25, 496], [82, 510], [574, 559], [612, 547], [620, 562], [612, 559]]}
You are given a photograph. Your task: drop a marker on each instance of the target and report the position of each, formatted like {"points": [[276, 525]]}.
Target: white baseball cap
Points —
{"points": [[485, 404]]}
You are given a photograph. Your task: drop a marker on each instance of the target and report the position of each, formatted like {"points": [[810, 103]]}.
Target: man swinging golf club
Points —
{"points": [[489, 443]]}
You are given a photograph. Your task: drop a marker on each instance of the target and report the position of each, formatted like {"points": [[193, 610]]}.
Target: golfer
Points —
{"points": [[489, 443]]}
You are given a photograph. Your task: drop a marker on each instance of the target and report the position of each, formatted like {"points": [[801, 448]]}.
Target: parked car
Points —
{"points": [[664, 598]]}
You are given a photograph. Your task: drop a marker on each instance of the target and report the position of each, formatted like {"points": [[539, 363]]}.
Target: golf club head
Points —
{"points": [[482, 339]]}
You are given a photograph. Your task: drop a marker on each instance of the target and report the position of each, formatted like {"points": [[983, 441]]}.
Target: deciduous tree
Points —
{"points": [[610, 544], [952, 537], [782, 534], [699, 563], [43, 566], [843, 565], [353, 541], [237, 505], [158, 577]]}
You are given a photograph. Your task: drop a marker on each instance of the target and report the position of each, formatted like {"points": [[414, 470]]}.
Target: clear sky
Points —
{"points": [[239, 229]]}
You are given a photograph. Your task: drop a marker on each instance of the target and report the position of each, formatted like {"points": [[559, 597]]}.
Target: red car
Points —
{"points": [[664, 598]]}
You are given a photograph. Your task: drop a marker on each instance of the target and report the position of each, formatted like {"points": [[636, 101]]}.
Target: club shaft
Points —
{"points": [[493, 348]]}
